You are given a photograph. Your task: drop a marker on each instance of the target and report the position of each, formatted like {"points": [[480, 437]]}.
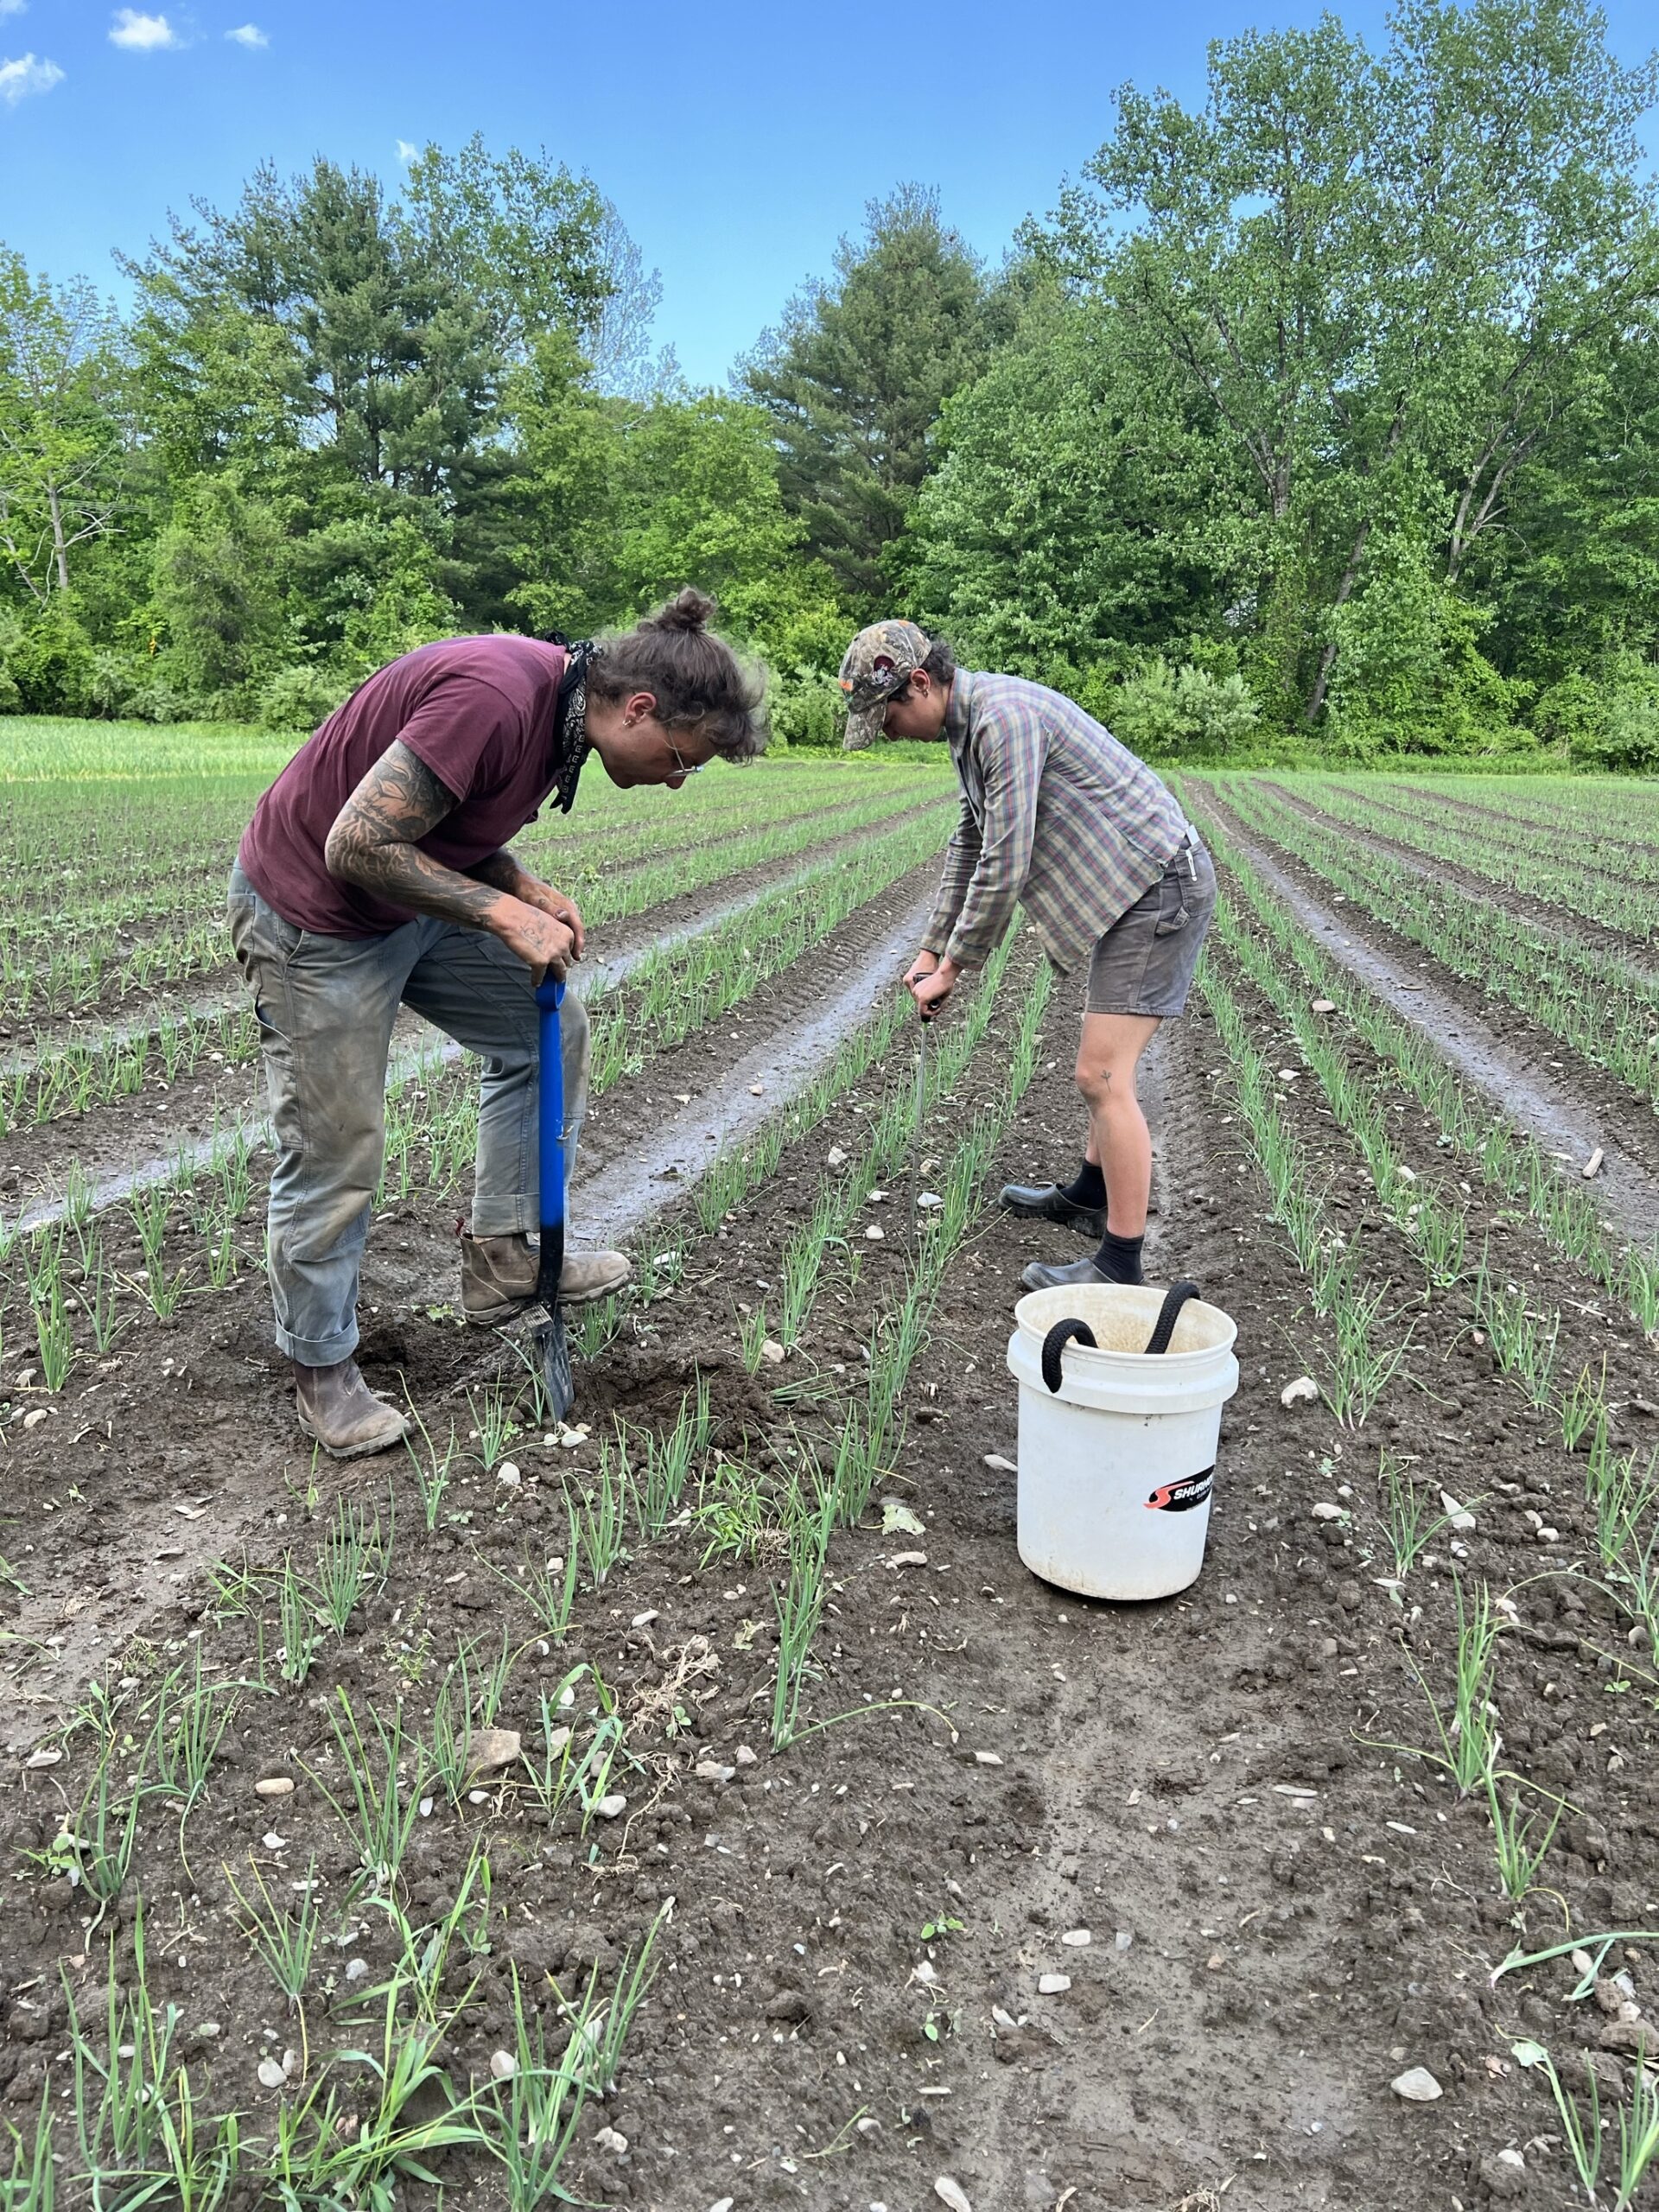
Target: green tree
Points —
{"points": [[64, 428], [855, 374], [1382, 284], [217, 587], [1072, 513]]}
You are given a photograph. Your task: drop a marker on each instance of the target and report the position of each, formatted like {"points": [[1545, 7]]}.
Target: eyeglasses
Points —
{"points": [[686, 767]]}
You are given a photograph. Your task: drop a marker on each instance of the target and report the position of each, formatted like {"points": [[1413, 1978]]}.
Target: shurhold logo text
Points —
{"points": [[1182, 1497]]}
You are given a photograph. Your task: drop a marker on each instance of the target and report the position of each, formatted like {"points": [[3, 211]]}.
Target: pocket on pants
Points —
{"points": [[1171, 902]]}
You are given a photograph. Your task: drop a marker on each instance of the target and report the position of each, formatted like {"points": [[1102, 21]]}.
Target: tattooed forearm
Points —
{"points": [[373, 845], [499, 869]]}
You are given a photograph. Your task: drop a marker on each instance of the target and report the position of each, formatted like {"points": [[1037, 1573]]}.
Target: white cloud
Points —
{"points": [[19, 79], [244, 35], [12, 7], [141, 34], [406, 151]]}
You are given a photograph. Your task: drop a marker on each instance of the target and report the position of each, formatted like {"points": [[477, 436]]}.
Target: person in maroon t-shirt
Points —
{"points": [[375, 873]]}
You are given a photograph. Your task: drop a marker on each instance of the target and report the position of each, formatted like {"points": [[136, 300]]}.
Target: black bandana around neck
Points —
{"points": [[570, 747]]}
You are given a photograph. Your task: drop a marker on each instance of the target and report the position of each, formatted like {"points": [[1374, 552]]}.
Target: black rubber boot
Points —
{"points": [[1048, 1202]]}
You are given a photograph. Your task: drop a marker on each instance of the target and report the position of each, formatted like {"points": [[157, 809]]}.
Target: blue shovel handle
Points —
{"points": [[551, 1132]]}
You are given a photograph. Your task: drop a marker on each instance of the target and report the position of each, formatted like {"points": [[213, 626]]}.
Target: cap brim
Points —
{"points": [[863, 726]]}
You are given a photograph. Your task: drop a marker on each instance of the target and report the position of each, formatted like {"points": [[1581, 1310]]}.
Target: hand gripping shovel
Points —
{"points": [[547, 1324]]}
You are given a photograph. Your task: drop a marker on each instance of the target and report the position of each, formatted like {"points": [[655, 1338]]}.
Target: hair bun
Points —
{"points": [[691, 610]]}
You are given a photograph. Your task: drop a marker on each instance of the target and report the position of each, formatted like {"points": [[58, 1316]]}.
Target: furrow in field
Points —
{"points": [[617, 1197], [104, 1137], [1510, 1077], [1595, 1004], [1568, 917], [1574, 808], [1544, 859], [642, 1152], [673, 875]]}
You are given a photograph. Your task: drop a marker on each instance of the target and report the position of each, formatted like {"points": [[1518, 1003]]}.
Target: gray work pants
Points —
{"points": [[326, 1007]]}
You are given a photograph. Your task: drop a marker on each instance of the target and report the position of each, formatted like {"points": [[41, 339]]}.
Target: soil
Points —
{"points": [[617, 945], [1545, 1086], [1563, 921], [131, 1139], [1286, 1909]]}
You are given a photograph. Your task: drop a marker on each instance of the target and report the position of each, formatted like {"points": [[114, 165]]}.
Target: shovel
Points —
{"points": [[547, 1324]]}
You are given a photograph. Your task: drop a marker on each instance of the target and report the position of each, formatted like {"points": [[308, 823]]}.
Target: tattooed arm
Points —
{"points": [[373, 845], [508, 873]]}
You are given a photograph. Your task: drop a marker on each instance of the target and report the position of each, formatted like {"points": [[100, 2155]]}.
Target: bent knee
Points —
{"points": [[1102, 1080]]}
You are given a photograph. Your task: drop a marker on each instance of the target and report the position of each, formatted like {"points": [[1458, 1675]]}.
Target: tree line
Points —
{"points": [[1321, 415]]}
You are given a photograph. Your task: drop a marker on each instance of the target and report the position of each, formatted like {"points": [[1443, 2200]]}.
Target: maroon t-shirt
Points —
{"points": [[481, 712]]}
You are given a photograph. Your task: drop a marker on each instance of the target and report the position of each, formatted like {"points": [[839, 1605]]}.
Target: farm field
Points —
{"points": [[681, 1810]]}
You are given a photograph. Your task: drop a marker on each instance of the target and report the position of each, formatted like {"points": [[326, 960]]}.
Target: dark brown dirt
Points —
{"points": [[1285, 1912], [1600, 936], [1521, 1062]]}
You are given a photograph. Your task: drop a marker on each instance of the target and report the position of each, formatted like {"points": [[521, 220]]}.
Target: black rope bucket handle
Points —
{"points": [[1169, 1314], [1055, 1342], [1074, 1331]]}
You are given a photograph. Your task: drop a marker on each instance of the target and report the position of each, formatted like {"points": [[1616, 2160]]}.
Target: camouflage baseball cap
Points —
{"points": [[877, 665]]}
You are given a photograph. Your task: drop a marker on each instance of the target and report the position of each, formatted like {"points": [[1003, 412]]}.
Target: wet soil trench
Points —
{"points": [[1539, 913], [1546, 1108], [642, 1149]]}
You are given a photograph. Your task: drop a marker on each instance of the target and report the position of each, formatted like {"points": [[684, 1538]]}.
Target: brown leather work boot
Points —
{"points": [[497, 1276], [339, 1410]]}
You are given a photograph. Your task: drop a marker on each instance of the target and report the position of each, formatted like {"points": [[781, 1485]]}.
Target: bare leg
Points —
{"points": [[1118, 1138]]}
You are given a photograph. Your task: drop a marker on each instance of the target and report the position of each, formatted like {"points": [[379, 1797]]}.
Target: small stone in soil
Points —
{"points": [[1051, 1984], [1124, 1938], [712, 1770], [745, 1756], [773, 1352], [988, 1758], [1076, 1937], [951, 2192], [1303, 1391], [271, 2075], [274, 1785], [490, 1749], [999, 1466], [608, 1807], [503, 2065], [1416, 2085]]}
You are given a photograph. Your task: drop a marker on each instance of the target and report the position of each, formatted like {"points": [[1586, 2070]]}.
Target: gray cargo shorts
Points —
{"points": [[1145, 963]]}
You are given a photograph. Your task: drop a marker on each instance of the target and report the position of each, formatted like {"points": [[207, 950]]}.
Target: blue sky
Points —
{"points": [[739, 142]]}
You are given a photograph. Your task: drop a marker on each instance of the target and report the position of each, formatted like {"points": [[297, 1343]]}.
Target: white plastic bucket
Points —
{"points": [[1116, 1466]]}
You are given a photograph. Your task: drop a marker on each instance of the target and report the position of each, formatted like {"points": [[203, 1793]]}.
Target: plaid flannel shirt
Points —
{"points": [[1055, 814]]}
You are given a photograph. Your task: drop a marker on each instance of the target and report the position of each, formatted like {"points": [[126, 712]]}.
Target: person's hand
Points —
{"points": [[923, 964], [544, 945], [534, 893], [931, 991]]}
